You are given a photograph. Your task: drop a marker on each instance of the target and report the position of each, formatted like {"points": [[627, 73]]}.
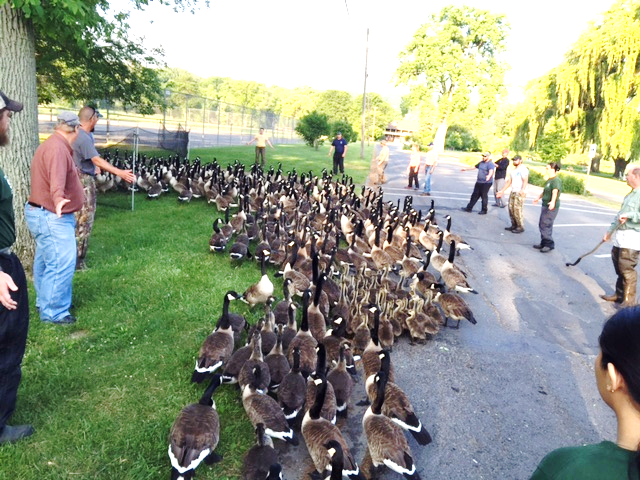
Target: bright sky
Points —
{"points": [[319, 44]]}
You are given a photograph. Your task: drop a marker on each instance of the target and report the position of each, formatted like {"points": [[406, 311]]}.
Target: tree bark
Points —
{"points": [[18, 82]]}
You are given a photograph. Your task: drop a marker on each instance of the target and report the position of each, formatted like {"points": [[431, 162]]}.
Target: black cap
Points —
{"points": [[11, 105]]}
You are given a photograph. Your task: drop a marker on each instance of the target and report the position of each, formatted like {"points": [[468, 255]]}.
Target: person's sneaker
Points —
{"points": [[465, 209], [13, 434], [495, 205], [63, 321], [511, 229], [546, 249], [517, 230], [482, 212], [503, 206], [538, 247], [425, 194]]}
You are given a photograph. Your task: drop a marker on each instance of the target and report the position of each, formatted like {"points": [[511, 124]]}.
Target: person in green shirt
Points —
{"points": [[625, 231], [618, 382], [550, 197]]}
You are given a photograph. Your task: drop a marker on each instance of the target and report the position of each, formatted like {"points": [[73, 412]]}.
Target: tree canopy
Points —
{"points": [[594, 89], [455, 53]]}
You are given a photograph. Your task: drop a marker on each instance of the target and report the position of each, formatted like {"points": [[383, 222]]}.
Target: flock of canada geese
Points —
{"points": [[358, 269]]}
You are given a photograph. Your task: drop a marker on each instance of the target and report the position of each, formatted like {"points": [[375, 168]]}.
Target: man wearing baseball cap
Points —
{"points": [[14, 317], [486, 169], [56, 193]]}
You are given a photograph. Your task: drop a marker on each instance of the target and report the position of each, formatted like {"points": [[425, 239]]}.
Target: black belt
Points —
{"points": [[35, 205]]}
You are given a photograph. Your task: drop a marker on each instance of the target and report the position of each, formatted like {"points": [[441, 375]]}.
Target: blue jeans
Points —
{"points": [[427, 181], [55, 260]]}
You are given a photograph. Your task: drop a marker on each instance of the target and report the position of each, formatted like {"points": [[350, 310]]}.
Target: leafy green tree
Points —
{"points": [[455, 54], [312, 127], [79, 28], [461, 139], [345, 128], [378, 111], [553, 144], [335, 104]]}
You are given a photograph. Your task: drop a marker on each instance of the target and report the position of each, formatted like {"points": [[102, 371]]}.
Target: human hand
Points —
{"points": [[499, 195], [622, 220], [7, 286], [606, 237], [536, 200], [523, 194], [127, 176], [97, 170], [59, 206], [551, 206]]}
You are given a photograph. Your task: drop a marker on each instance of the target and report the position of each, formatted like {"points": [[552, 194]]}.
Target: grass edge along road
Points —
{"points": [[102, 394]]}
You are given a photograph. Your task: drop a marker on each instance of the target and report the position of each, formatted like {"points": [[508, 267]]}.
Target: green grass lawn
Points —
{"points": [[103, 393]]}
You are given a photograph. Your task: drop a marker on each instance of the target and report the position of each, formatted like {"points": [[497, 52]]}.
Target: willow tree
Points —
{"points": [[63, 26], [598, 82], [454, 55]]}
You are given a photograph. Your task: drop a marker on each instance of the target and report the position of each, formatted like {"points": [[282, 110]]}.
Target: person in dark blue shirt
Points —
{"points": [[339, 148]]}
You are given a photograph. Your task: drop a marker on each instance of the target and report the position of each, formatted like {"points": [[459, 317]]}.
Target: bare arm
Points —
{"points": [[269, 142], [344, 154], [554, 197], [507, 184], [126, 175], [254, 139], [525, 182]]}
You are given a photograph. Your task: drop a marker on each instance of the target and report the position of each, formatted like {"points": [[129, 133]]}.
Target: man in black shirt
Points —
{"points": [[14, 312], [500, 178]]}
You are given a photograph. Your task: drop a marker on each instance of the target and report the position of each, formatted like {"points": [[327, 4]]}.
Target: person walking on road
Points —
{"points": [[625, 231], [486, 169], [518, 180], [90, 163], [381, 162], [261, 145], [14, 313], [430, 163], [500, 177], [618, 382], [550, 197], [414, 166], [339, 148]]}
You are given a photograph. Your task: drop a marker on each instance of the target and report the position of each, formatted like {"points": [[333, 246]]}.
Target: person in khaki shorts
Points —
{"points": [[261, 145], [518, 180]]}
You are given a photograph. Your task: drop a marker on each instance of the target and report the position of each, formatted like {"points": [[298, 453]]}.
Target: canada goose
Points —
{"points": [[239, 219], [277, 362], [370, 358], [454, 307], [291, 329], [381, 258], [194, 435], [449, 237], [334, 449], [410, 265], [329, 409], [267, 331], [417, 322], [261, 408], [218, 346], [260, 458], [437, 259], [304, 341], [186, 194], [300, 281], [240, 249], [236, 361], [317, 433], [387, 443], [281, 310], [226, 228], [396, 404], [342, 383], [390, 247], [245, 377], [262, 291], [317, 323], [292, 390], [333, 339], [453, 278], [218, 240]]}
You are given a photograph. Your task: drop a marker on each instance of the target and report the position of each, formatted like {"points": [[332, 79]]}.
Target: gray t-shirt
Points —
{"points": [[83, 151], [483, 170]]}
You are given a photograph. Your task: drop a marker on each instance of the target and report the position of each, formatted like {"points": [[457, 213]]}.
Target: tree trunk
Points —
{"points": [[621, 166], [595, 164], [441, 134], [18, 82]]}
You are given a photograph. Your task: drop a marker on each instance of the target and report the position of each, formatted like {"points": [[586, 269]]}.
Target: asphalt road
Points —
{"points": [[499, 395]]}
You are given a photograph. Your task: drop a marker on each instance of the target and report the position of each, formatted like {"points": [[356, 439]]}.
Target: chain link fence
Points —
{"points": [[204, 122]]}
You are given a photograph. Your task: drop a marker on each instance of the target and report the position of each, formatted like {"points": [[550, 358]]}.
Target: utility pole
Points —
{"points": [[373, 127], [364, 97]]}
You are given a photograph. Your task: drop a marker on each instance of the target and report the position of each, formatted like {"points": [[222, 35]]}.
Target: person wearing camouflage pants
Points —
{"points": [[518, 180]]}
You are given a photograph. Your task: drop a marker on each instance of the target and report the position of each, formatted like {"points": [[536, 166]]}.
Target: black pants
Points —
{"points": [[547, 217], [480, 190], [413, 176], [338, 162], [624, 263], [14, 325]]}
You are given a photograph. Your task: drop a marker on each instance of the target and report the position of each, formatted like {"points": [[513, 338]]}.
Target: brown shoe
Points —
{"points": [[611, 298]]}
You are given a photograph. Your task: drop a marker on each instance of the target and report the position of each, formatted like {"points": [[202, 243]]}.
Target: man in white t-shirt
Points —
{"points": [[518, 180]]}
